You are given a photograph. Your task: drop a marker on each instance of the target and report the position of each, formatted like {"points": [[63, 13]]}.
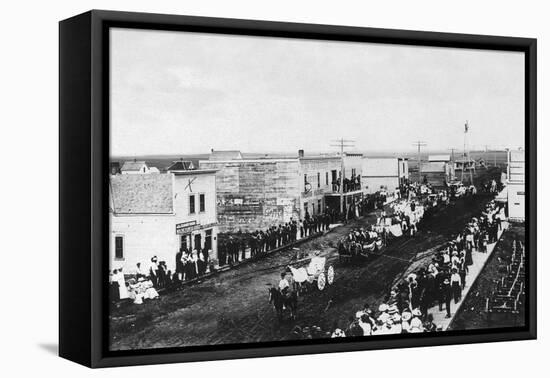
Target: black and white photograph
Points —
{"points": [[266, 189]]}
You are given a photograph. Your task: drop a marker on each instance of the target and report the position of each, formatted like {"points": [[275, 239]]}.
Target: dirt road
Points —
{"points": [[233, 306]]}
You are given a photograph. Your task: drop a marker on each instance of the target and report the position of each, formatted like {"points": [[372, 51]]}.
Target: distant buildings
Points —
{"points": [[516, 185], [181, 165], [134, 167], [438, 170], [157, 214]]}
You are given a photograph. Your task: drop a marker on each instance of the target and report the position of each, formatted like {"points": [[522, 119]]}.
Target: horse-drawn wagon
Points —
{"points": [[316, 273], [349, 250]]}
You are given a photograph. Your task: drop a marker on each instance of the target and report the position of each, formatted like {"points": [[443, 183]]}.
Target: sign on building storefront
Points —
{"points": [[190, 226]]}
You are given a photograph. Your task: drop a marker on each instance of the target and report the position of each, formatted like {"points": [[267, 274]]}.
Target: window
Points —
{"points": [[318, 179], [119, 247], [305, 179], [201, 203], [319, 206], [326, 178], [312, 208], [192, 204]]}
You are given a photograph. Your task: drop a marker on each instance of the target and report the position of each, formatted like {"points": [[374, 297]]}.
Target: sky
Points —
{"points": [[186, 93]]}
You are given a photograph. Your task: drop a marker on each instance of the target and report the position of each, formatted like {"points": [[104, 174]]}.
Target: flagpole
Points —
{"points": [[464, 153]]}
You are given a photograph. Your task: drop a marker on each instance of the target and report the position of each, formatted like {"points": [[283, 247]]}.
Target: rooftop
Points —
{"points": [[439, 158], [225, 155], [134, 165], [181, 165], [142, 194]]}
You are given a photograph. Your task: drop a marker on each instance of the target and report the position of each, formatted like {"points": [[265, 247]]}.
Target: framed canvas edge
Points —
{"points": [[100, 20]]}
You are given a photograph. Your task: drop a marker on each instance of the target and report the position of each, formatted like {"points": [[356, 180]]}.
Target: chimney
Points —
{"points": [[300, 153]]}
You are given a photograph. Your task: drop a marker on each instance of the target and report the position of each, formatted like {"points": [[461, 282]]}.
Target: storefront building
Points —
{"points": [[157, 214]]}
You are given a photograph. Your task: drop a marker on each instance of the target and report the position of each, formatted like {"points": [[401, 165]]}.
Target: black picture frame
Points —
{"points": [[84, 159]]}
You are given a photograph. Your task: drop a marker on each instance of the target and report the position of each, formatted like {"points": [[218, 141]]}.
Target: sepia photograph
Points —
{"points": [[268, 189]]}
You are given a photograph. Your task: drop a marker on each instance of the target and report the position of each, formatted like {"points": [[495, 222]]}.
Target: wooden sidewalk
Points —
{"points": [[479, 259]]}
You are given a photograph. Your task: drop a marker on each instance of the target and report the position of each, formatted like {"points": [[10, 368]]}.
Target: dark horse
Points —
{"points": [[281, 301]]}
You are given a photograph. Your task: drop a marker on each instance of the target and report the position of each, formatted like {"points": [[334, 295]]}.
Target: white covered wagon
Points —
{"points": [[315, 272]]}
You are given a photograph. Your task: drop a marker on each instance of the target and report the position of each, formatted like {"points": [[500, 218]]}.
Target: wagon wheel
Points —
{"points": [[330, 275], [321, 281]]}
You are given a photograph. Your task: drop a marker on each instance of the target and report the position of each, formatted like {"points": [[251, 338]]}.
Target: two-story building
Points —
{"points": [[320, 175], [384, 174], [157, 214]]}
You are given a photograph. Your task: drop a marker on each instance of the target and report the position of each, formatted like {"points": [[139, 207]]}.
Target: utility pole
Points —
{"points": [[419, 144], [342, 143], [485, 156]]}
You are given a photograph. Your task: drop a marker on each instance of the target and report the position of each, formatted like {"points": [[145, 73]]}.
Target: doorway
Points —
{"points": [[197, 244], [208, 240]]}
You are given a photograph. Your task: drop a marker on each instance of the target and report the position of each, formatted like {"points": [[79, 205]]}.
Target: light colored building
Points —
{"points": [[383, 174], [158, 214], [516, 185]]}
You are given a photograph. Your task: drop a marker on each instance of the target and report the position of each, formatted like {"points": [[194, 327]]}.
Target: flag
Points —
{"points": [[466, 127]]}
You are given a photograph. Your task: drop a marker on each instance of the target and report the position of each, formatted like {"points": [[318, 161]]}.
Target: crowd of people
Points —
{"points": [[406, 308], [145, 282], [137, 288], [360, 241], [439, 282], [349, 185], [232, 249], [492, 186]]}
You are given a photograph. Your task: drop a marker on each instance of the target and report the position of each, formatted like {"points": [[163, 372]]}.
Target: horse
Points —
{"points": [[281, 301]]}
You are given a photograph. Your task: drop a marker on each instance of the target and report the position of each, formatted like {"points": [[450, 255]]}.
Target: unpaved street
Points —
{"points": [[233, 307]]}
